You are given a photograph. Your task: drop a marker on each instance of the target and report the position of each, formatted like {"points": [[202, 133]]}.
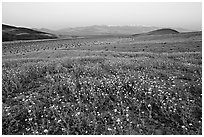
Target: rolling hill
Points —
{"points": [[12, 33], [158, 32], [163, 31]]}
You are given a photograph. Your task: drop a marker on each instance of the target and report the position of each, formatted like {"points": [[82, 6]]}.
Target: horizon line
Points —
{"points": [[108, 25]]}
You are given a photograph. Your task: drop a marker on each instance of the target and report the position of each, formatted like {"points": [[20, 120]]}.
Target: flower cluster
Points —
{"points": [[101, 96]]}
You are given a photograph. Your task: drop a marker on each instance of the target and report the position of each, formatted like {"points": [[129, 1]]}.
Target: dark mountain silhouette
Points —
{"points": [[11, 33], [163, 31], [158, 32]]}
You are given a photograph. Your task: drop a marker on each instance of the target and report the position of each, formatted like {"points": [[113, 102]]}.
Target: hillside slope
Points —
{"points": [[12, 33], [163, 31], [158, 32]]}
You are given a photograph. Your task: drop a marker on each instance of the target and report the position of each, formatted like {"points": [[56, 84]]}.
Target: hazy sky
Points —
{"points": [[62, 15]]}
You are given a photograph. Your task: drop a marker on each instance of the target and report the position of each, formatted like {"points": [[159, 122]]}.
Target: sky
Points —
{"points": [[64, 15]]}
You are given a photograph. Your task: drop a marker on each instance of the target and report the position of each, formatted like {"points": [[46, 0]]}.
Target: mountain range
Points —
{"points": [[11, 33], [104, 30]]}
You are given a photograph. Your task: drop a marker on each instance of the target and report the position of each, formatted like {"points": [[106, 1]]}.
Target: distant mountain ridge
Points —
{"points": [[100, 30], [11, 33], [105, 30]]}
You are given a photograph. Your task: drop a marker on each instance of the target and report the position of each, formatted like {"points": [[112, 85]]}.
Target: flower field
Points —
{"points": [[101, 91]]}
